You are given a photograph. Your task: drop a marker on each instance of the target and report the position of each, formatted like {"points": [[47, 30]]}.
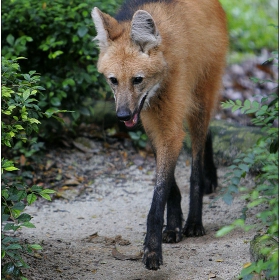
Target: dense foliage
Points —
{"points": [[56, 37], [264, 196], [20, 115], [250, 25]]}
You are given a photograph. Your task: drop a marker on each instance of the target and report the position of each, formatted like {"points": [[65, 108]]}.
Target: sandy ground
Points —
{"points": [[79, 234]]}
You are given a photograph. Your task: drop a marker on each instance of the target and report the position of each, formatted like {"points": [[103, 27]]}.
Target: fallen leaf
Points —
{"points": [[80, 179], [245, 265], [38, 256], [143, 153], [212, 275], [124, 154], [66, 143], [71, 182], [119, 240], [219, 260], [58, 177], [22, 160], [49, 164], [116, 254], [81, 147], [93, 235]]}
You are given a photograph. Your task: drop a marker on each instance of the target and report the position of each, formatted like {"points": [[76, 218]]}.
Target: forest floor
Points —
{"points": [[95, 226]]}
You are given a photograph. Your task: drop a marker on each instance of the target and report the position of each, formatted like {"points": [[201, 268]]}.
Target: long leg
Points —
{"points": [[167, 145], [210, 170], [173, 230], [198, 125]]}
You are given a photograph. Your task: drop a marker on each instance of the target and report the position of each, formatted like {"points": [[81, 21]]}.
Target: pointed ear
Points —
{"points": [[144, 32], [108, 29]]}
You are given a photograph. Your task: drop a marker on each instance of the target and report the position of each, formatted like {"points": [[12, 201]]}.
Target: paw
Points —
{"points": [[193, 230], [152, 260], [172, 236], [210, 183], [209, 187]]}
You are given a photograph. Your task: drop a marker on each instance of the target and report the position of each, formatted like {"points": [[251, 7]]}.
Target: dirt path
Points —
{"points": [[79, 234]]}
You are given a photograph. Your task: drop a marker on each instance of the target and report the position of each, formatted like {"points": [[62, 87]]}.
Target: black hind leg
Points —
{"points": [[210, 171]]}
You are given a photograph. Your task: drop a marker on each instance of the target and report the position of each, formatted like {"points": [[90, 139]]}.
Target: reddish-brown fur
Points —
{"points": [[187, 65]]}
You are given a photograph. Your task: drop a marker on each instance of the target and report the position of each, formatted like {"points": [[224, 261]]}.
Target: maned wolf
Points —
{"points": [[164, 61]]}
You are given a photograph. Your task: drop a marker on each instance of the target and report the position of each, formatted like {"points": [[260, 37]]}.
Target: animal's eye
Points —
{"points": [[113, 80], [137, 80]]}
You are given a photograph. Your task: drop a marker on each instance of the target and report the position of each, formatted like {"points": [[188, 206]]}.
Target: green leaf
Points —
{"points": [[14, 247], [235, 108], [24, 218], [10, 39], [36, 247], [224, 230], [51, 111], [26, 77], [8, 268], [47, 191], [19, 127], [227, 198], [76, 115], [31, 198], [10, 168], [255, 203], [238, 222], [11, 226], [45, 196], [255, 104], [67, 82], [21, 195], [28, 225], [15, 213], [5, 217], [33, 120], [244, 167], [56, 54], [82, 31], [55, 101], [247, 104], [235, 180], [26, 94]]}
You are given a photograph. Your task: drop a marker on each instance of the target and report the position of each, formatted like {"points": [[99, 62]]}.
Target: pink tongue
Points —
{"points": [[132, 121]]}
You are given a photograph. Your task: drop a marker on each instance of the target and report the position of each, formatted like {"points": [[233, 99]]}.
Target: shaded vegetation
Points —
{"points": [[264, 196], [56, 37]]}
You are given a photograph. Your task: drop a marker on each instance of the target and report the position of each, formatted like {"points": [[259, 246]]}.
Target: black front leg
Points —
{"points": [[193, 226], [173, 230], [152, 246]]}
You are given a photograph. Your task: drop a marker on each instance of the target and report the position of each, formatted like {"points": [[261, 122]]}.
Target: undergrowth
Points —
{"points": [[263, 157]]}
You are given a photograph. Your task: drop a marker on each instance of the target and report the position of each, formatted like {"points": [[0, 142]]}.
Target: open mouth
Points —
{"points": [[135, 116]]}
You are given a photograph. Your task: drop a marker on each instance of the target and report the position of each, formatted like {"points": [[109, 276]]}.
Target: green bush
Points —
{"points": [[249, 25], [56, 37], [263, 156], [20, 115]]}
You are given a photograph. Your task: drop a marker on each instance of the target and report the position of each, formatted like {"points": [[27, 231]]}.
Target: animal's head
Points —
{"points": [[131, 60]]}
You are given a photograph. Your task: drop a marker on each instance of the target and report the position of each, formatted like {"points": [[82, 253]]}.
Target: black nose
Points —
{"points": [[124, 114]]}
